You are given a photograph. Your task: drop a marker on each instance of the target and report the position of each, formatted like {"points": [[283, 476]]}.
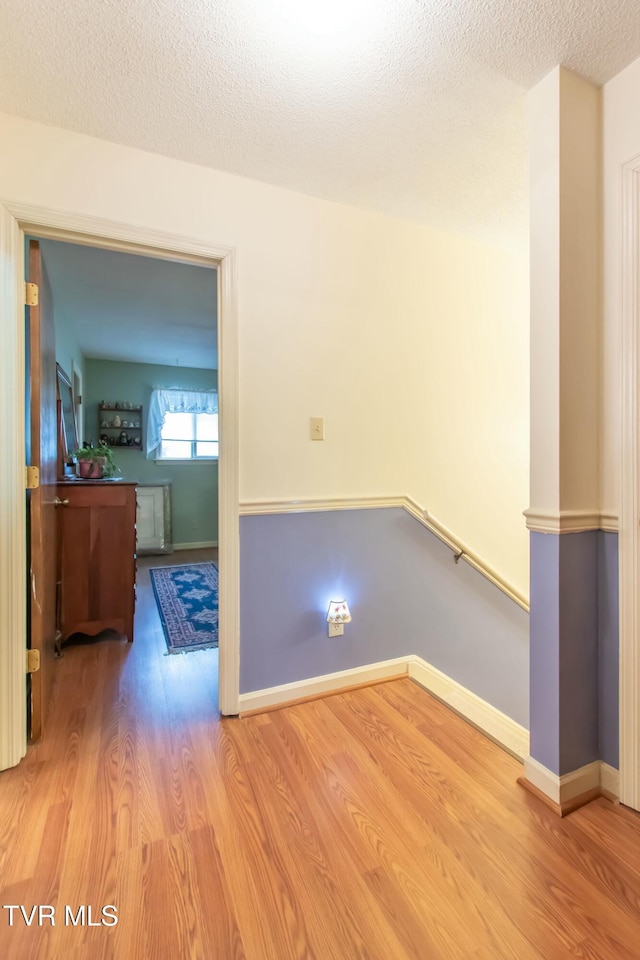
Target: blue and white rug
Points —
{"points": [[187, 598]]}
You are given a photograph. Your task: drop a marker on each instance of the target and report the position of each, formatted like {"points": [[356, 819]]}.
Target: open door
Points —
{"points": [[42, 433]]}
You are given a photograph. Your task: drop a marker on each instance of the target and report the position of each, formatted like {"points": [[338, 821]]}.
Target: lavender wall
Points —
{"points": [[574, 649], [544, 680], [578, 650], [406, 594], [608, 647]]}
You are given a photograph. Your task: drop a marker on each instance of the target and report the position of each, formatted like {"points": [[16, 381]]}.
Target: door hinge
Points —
{"points": [[31, 294], [32, 480], [33, 661]]}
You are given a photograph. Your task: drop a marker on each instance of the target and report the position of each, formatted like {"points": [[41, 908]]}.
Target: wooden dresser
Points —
{"points": [[97, 556]]}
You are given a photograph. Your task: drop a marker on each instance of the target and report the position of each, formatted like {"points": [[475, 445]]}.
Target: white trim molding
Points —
{"points": [[563, 790], [570, 521], [251, 508], [323, 686], [486, 718], [16, 219], [630, 491], [610, 780], [254, 508], [198, 545], [609, 522], [13, 558], [497, 725]]}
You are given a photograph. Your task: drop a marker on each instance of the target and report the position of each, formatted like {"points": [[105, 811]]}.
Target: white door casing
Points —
{"points": [[13, 620], [630, 492], [16, 219]]}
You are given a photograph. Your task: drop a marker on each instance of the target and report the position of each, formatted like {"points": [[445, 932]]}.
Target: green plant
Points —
{"points": [[102, 456]]}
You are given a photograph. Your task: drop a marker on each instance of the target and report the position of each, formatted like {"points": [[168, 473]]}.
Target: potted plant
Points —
{"points": [[95, 463]]}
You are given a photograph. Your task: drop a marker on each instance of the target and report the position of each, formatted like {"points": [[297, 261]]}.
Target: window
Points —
{"points": [[183, 425], [189, 436]]}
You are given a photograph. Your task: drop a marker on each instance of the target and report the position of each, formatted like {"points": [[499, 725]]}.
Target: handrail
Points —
{"points": [[459, 547], [463, 552]]}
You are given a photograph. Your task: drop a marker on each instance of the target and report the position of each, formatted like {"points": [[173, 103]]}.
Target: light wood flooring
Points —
{"points": [[374, 824]]}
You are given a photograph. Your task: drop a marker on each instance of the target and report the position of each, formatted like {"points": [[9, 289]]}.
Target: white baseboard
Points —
{"points": [[564, 788], [200, 545], [318, 686], [498, 726], [610, 779], [542, 778], [571, 785], [502, 729]]}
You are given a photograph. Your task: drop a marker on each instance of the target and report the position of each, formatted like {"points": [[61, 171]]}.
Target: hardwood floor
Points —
{"points": [[374, 824]]}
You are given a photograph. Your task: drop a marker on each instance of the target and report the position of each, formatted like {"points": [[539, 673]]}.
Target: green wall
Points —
{"points": [[194, 486], [67, 347]]}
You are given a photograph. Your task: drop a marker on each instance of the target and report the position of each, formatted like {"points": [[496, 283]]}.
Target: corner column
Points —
{"points": [[564, 515]]}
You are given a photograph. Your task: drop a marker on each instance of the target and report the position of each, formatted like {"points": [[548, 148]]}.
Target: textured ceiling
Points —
{"points": [[124, 307], [412, 107]]}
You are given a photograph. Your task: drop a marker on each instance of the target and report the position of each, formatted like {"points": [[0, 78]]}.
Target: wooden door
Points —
{"points": [[42, 430]]}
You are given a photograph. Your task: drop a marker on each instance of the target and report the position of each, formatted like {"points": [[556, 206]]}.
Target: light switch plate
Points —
{"points": [[316, 428]]}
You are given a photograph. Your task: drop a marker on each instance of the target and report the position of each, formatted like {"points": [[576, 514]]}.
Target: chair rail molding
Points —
{"points": [[629, 494], [570, 521], [16, 219], [250, 508], [609, 521]]}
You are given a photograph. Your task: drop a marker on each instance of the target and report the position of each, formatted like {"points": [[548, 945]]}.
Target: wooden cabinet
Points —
{"points": [[97, 556]]}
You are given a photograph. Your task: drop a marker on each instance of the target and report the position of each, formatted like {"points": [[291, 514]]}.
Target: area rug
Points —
{"points": [[187, 598]]}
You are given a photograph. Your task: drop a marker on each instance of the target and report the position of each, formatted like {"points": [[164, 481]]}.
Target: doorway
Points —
{"points": [[133, 329], [16, 221]]}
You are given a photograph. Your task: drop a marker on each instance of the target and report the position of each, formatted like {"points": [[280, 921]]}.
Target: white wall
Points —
{"points": [[565, 293], [412, 344], [621, 143]]}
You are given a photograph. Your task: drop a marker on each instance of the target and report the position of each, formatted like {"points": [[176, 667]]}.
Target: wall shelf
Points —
{"points": [[127, 432]]}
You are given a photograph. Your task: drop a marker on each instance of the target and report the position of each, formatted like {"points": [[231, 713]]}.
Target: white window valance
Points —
{"points": [[176, 401]]}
